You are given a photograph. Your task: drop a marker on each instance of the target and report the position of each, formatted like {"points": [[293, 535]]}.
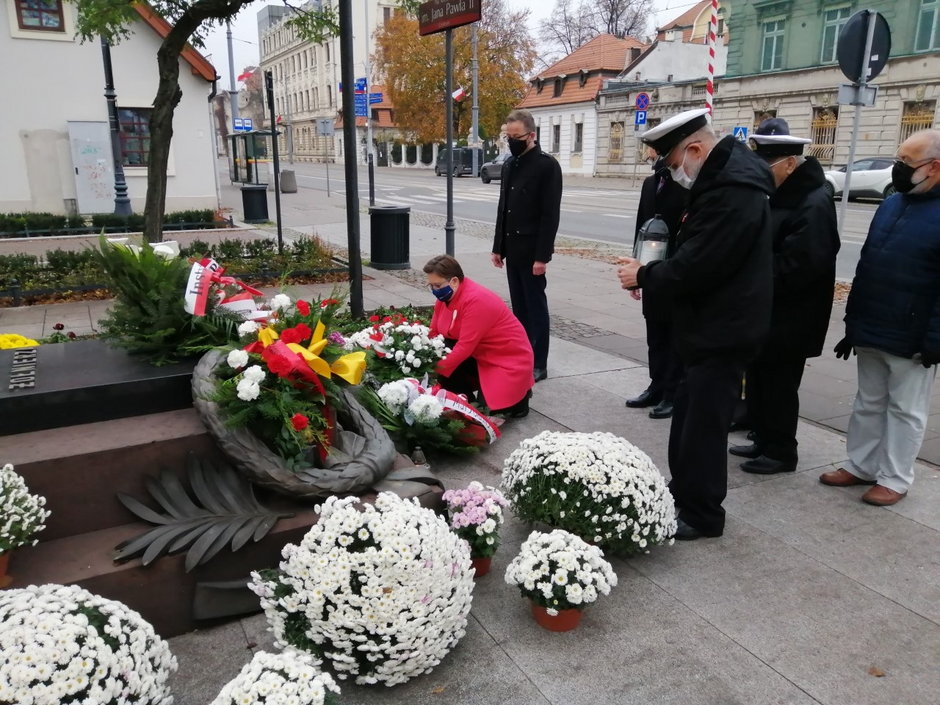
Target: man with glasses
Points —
{"points": [[719, 288], [805, 245], [526, 224], [892, 322]]}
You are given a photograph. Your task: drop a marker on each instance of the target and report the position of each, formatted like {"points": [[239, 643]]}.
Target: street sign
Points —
{"points": [[325, 127], [238, 124], [854, 94], [740, 133], [376, 97], [361, 104], [851, 47], [249, 124], [640, 118], [438, 15], [642, 102], [359, 86]]}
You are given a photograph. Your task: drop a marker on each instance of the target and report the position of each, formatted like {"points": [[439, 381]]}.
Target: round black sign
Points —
{"points": [[851, 46]]}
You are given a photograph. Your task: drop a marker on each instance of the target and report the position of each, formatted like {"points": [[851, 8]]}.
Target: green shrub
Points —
{"points": [[228, 250], [260, 249], [111, 223], [22, 224], [64, 262]]}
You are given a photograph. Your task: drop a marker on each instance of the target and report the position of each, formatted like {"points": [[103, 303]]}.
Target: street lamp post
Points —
{"points": [[122, 204]]}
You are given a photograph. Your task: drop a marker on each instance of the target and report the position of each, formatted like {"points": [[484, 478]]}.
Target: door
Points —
{"points": [[93, 166]]}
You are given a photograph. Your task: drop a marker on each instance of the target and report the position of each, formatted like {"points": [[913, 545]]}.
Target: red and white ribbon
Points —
{"points": [[207, 272], [455, 402]]}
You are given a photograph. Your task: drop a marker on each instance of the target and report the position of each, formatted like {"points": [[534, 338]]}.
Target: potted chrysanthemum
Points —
{"points": [[475, 515], [63, 644], [560, 574], [380, 591], [22, 516], [596, 485], [289, 676]]}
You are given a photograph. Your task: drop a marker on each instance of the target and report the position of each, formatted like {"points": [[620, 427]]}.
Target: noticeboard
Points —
{"points": [[438, 15]]}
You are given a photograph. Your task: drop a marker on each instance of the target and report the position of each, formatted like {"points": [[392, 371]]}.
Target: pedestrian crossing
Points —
{"points": [[486, 195]]}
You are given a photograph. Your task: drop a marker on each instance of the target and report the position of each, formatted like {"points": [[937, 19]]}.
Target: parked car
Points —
{"points": [[463, 161], [871, 178], [493, 169]]}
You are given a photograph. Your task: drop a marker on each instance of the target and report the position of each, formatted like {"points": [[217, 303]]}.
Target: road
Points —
{"points": [[602, 209]]}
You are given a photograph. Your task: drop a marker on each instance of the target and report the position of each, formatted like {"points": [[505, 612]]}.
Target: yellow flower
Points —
{"points": [[8, 341]]}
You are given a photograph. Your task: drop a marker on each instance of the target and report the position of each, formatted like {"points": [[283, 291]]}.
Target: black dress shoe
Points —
{"points": [[751, 450], [647, 398], [540, 374], [663, 410], [762, 465], [752, 435], [686, 532]]}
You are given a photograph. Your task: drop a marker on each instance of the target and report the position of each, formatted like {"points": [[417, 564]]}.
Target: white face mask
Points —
{"points": [[681, 176]]}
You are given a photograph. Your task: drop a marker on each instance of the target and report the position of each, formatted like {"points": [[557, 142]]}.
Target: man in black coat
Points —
{"points": [[660, 197], [805, 245], [526, 224], [719, 284]]}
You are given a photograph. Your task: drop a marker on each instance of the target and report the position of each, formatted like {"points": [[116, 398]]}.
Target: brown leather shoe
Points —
{"points": [[882, 496], [842, 478]]}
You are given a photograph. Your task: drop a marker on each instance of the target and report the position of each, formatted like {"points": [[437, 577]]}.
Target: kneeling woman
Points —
{"points": [[490, 351]]}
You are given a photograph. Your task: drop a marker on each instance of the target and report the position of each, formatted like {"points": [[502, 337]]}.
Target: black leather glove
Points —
{"points": [[844, 349], [929, 359]]}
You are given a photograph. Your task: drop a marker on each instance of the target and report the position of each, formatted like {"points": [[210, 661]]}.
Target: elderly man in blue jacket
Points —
{"points": [[892, 322]]}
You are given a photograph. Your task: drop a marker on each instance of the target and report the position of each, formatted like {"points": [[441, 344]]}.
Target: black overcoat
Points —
{"points": [[720, 280]]}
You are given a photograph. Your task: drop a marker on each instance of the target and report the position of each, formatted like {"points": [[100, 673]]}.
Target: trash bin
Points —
{"points": [[255, 202], [288, 181], [390, 247]]}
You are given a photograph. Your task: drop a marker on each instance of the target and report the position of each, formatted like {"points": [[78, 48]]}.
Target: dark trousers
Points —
{"points": [[465, 379], [530, 305], [698, 441], [773, 404], [665, 363]]}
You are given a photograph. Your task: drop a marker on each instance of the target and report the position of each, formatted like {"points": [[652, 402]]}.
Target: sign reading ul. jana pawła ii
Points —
{"points": [[438, 15]]}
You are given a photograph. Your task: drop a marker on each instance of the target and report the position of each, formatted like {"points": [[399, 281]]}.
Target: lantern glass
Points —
{"points": [[652, 241]]}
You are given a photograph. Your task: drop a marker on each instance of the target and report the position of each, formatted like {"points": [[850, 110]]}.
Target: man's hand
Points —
{"points": [[538, 269], [636, 294], [627, 271], [844, 349], [496, 259]]}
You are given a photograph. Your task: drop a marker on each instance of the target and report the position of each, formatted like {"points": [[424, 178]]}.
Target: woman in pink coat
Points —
{"points": [[490, 349]]}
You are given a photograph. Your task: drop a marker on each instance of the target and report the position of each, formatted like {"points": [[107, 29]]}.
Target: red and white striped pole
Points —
{"points": [[710, 84]]}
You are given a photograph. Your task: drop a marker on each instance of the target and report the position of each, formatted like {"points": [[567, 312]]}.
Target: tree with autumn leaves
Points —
{"points": [[412, 69]]}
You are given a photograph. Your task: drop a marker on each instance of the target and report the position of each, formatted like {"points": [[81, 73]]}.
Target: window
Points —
{"points": [[833, 21], [42, 15], [760, 116], [386, 14], [578, 137], [559, 85], [134, 126], [917, 116], [616, 143], [927, 26], [823, 134], [556, 138], [329, 96], [772, 47], [327, 47]]}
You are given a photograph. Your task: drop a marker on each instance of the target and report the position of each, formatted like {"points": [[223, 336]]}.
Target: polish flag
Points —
{"points": [[459, 94], [245, 76]]}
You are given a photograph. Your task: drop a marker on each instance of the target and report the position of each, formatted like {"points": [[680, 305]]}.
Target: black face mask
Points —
{"points": [[517, 146], [902, 177]]}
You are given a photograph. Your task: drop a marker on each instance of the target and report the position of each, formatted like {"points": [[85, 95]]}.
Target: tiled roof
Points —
{"points": [[200, 64], [584, 70], [604, 52], [687, 18]]}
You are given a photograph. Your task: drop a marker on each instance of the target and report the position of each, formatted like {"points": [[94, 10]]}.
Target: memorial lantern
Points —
{"points": [[652, 241]]}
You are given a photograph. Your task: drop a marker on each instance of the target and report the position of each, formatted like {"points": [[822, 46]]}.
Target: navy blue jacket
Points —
{"points": [[894, 305]]}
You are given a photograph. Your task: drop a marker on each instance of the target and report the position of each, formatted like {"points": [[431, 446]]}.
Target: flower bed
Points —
{"points": [[62, 644], [380, 592], [595, 485], [398, 348]]}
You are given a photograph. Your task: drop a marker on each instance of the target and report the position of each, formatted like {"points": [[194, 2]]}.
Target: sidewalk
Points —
{"points": [[807, 595]]}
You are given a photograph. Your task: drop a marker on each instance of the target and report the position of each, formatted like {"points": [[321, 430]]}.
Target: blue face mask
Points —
{"points": [[444, 293]]}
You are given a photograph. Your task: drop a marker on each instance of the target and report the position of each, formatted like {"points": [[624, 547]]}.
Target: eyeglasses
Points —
{"points": [[518, 137], [915, 165], [431, 286]]}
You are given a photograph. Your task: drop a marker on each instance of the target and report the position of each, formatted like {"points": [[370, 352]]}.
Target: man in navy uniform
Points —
{"points": [[719, 288], [526, 224], [805, 245]]}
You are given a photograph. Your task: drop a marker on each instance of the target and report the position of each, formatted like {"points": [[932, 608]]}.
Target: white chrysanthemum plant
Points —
{"points": [[289, 676], [595, 485], [380, 591], [559, 571], [62, 644], [398, 348], [22, 515]]}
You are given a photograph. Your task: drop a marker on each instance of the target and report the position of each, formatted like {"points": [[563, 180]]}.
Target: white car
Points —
{"points": [[871, 178]]}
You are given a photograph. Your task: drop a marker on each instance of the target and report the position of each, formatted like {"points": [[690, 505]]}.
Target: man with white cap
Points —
{"points": [[719, 288], [805, 245]]}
